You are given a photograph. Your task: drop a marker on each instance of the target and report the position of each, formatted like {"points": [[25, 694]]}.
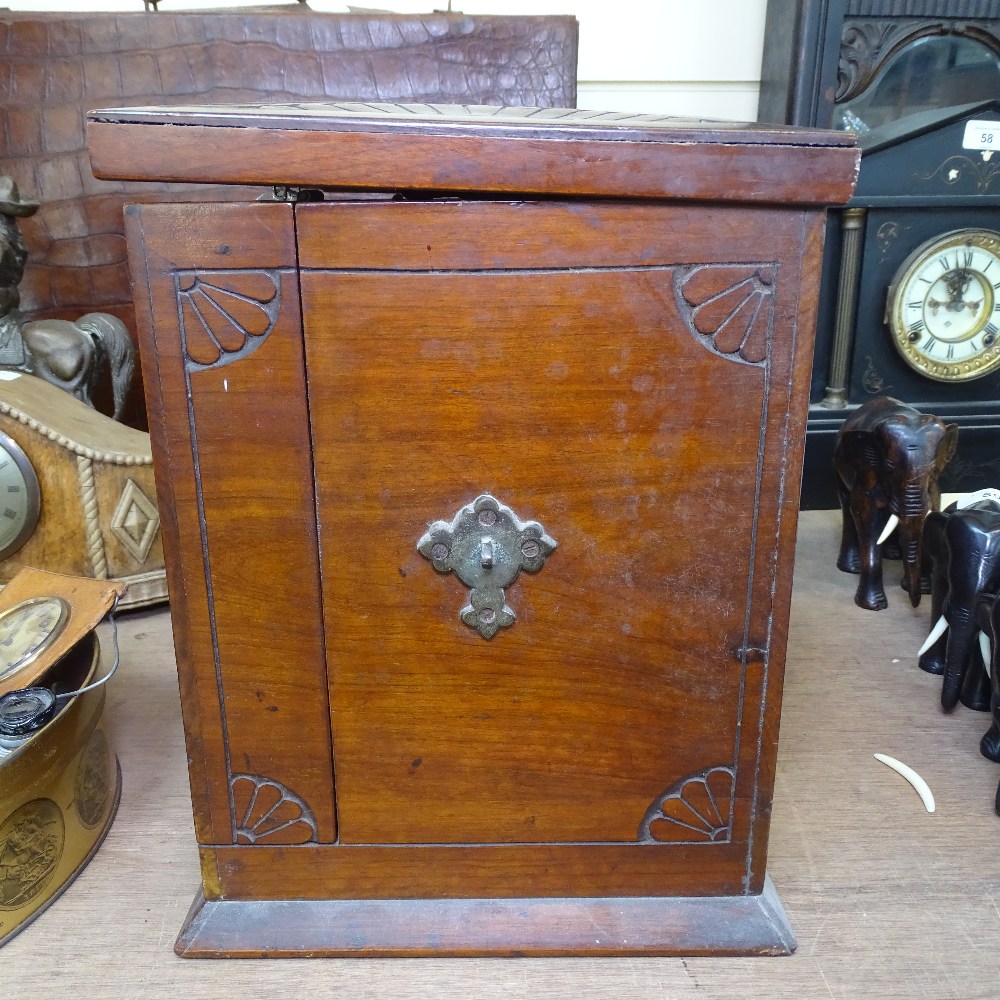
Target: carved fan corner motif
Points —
{"points": [[225, 315], [696, 810], [729, 308], [267, 812]]}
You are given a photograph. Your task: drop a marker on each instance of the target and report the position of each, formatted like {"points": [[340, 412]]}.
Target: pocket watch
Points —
{"points": [[943, 306], [27, 629], [42, 617]]}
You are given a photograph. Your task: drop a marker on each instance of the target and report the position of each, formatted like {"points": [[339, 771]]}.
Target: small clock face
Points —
{"points": [[943, 308], [28, 629], [19, 497]]}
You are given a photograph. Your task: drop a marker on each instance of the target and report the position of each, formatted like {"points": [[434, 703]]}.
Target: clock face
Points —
{"points": [[19, 497], [28, 629], [943, 309]]}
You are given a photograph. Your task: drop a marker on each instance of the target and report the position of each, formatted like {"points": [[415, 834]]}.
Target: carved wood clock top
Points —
{"points": [[456, 148]]}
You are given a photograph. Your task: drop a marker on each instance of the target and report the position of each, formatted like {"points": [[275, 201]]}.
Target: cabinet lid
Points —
{"points": [[460, 149]]}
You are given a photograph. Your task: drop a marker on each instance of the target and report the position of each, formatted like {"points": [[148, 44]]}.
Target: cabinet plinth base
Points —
{"points": [[418, 928]]}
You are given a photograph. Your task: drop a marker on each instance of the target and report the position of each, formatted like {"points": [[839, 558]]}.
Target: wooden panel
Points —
{"points": [[597, 397], [232, 440], [503, 871]]}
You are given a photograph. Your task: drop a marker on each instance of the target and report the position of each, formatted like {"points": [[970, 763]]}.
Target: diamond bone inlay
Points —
{"points": [[135, 521], [486, 545]]}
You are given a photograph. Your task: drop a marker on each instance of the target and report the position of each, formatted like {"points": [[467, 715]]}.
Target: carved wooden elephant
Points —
{"points": [[988, 619], [888, 457], [963, 544]]}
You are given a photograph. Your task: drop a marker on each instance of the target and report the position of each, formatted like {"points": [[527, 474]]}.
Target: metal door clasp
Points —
{"points": [[486, 545]]}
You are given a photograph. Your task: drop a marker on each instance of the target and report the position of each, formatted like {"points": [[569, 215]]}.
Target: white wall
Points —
{"points": [[662, 56]]}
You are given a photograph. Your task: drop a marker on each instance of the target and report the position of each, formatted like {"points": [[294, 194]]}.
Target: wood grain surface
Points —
{"points": [[625, 374], [557, 152], [885, 899]]}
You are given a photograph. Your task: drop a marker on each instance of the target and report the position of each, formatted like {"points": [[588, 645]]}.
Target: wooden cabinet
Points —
{"points": [[575, 348]]}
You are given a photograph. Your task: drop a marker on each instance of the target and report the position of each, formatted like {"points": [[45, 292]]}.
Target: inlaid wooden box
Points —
{"points": [[479, 505]]}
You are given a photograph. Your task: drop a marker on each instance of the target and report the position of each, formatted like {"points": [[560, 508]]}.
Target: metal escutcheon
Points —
{"points": [[486, 545]]}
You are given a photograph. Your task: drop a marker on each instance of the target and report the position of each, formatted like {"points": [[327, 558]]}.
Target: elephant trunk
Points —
{"points": [[962, 630], [914, 506]]}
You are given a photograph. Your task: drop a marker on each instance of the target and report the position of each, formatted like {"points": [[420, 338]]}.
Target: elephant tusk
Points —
{"points": [[940, 627], [921, 786], [984, 646], [890, 527]]}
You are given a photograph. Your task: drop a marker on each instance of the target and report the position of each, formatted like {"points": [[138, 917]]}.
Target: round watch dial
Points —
{"points": [[28, 629], [944, 306], [19, 497]]}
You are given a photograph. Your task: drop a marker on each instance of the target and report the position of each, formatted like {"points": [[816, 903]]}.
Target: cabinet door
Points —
{"points": [[218, 305], [623, 375]]}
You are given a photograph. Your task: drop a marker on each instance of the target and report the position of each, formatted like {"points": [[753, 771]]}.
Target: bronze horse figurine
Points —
{"points": [[67, 354]]}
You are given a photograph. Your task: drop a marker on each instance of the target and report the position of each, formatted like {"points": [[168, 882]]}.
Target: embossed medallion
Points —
{"points": [[31, 844], [91, 787], [486, 545]]}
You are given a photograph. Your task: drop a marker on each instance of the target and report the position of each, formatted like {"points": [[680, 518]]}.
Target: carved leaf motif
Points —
{"points": [[866, 48], [226, 314], [267, 812], [697, 810], [729, 307]]}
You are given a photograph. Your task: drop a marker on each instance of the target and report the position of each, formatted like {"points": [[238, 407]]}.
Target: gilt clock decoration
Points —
{"points": [[943, 310]]}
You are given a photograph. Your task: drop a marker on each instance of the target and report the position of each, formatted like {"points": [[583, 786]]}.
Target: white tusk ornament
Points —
{"points": [[940, 627], [890, 527], [984, 646], [921, 786]]}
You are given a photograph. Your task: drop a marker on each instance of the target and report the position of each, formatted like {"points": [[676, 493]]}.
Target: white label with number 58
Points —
{"points": [[981, 135]]}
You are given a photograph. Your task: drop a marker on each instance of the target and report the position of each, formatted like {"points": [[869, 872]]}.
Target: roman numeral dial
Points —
{"points": [[19, 497], [942, 303]]}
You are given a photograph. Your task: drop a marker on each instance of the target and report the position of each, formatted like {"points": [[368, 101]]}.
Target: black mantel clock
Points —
{"points": [[910, 297]]}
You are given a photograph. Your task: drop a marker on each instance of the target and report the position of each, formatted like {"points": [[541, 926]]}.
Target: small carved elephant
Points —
{"points": [[887, 458], [962, 543], [988, 619]]}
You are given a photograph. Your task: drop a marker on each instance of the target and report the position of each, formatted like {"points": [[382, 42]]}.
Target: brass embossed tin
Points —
{"points": [[59, 792]]}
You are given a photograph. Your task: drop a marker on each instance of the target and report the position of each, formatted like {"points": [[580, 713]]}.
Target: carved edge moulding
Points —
{"points": [[822, 53], [867, 45]]}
